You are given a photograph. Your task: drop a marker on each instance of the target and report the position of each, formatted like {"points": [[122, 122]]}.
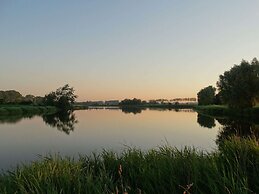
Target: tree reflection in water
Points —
{"points": [[15, 118], [238, 128], [64, 121], [206, 121], [134, 110]]}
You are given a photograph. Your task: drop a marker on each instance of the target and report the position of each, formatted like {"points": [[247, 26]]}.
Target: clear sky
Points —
{"points": [[113, 49]]}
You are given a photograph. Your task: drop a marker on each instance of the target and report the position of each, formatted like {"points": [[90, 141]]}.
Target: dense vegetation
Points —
{"points": [[206, 95], [7, 110], [238, 88], [63, 98], [130, 102], [14, 97], [223, 110], [232, 169], [13, 103]]}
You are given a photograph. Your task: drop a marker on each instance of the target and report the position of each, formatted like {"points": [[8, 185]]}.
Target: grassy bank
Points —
{"points": [[6, 110], [234, 168], [220, 110], [167, 106]]}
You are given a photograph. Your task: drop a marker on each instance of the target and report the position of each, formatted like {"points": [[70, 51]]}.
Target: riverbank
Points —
{"points": [[165, 106], [7, 110], [221, 111], [234, 168]]}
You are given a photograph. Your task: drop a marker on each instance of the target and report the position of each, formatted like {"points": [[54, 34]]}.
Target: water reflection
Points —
{"points": [[64, 121], [137, 110], [15, 118], [134, 110], [239, 128], [206, 121]]}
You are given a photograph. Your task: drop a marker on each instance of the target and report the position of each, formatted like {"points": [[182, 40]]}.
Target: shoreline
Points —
{"points": [[162, 170], [10, 110], [224, 111]]}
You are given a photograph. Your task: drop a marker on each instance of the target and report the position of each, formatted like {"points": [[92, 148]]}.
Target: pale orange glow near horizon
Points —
{"points": [[123, 49]]}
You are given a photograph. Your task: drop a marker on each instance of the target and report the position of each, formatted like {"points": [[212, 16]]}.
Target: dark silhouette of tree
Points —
{"points": [[239, 87], [206, 96], [205, 121], [217, 99], [50, 99], [64, 121], [129, 102], [63, 98], [10, 97]]}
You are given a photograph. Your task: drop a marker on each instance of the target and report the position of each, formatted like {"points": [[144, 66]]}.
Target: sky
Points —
{"points": [[116, 49]]}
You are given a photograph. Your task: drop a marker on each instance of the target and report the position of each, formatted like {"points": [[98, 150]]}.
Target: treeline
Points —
{"points": [[139, 102], [63, 98], [237, 88], [133, 101], [14, 97]]}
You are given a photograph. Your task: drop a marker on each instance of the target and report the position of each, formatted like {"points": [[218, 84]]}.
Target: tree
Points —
{"points": [[10, 97], [63, 98], [206, 95], [129, 102], [217, 99], [239, 87], [28, 99]]}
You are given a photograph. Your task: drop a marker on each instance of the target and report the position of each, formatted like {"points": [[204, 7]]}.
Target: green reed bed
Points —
{"points": [[234, 168], [222, 110], [25, 109]]}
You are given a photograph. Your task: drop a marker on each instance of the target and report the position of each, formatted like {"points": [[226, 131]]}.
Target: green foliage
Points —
{"points": [[10, 97], [232, 169], [3, 111], [28, 99], [9, 110], [129, 102], [206, 95], [14, 97], [239, 87], [220, 111], [63, 98]]}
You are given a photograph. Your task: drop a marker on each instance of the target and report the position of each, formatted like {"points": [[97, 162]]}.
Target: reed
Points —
{"points": [[233, 168], [25, 109]]}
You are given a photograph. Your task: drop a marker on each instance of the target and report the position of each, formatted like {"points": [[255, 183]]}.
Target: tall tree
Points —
{"points": [[206, 95], [63, 97], [239, 87]]}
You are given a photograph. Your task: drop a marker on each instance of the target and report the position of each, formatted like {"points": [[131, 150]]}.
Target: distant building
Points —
{"points": [[184, 100], [94, 103], [112, 102]]}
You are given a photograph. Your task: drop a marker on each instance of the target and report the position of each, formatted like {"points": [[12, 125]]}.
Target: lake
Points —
{"points": [[85, 131]]}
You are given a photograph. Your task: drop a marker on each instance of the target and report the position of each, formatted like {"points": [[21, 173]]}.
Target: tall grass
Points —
{"points": [[222, 110], [232, 169], [25, 109]]}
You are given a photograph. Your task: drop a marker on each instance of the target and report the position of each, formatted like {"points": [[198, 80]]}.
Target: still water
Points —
{"points": [[85, 131]]}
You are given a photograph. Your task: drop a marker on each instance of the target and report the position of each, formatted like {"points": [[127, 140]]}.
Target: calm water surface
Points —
{"points": [[86, 131]]}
